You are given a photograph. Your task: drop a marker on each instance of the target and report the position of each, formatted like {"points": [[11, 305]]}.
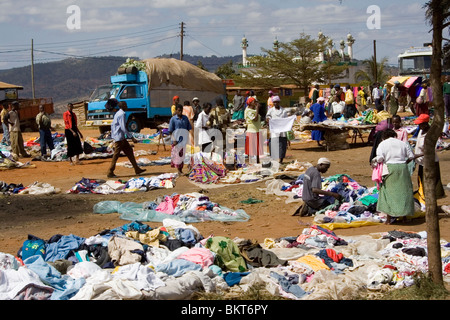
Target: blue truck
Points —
{"points": [[149, 90]]}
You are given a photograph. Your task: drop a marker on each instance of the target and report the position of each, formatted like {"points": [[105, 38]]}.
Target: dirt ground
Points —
{"points": [[65, 214]]}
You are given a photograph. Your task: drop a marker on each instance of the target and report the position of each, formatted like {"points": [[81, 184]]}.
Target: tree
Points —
{"points": [[295, 62], [372, 71], [438, 15], [226, 70], [201, 65]]}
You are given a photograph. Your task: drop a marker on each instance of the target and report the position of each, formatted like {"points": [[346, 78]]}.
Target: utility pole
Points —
{"points": [[32, 69], [375, 60], [182, 40]]}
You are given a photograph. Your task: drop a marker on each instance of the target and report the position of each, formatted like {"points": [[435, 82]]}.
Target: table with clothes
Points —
{"points": [[336, 133]]}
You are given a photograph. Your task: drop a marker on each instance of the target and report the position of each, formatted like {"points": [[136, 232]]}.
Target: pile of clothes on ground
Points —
{"points": [[174, 262], [143, 184], [8, 161], [36, 188], [189, 208], [358, 204]]}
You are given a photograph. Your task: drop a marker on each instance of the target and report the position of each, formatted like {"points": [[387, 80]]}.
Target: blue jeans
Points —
{"points": [[5, 134], [45, 140]]}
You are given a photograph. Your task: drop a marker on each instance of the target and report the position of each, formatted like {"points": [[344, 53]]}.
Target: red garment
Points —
{"points": [[68, 119], [334, 255]]}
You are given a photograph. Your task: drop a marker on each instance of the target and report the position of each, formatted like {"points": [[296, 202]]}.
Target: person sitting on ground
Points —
{"points": [[314, 198]]}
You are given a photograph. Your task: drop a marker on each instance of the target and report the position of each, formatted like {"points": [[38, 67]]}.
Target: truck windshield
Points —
{"points": [[104, 93], [415, 65]]}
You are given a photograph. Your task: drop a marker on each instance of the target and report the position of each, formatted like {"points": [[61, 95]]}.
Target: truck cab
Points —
{"points": [[131, 88]]}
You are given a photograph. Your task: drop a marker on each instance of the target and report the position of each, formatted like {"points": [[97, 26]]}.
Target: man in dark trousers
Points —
{"points": [[120, 134]]}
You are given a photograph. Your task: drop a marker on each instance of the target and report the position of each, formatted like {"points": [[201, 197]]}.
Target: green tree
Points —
{"points": [[226, 71], [294, 62], [201, 65], [373, 71]]}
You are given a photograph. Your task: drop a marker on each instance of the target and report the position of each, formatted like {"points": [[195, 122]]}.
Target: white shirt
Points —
{"points": [[393, 151], [420, 148], [376, 93], [201, 122], [338, 107]]}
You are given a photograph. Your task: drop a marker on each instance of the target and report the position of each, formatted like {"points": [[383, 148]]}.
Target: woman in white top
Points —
{"points": [[396, 196], [422, 101], [337, 108]]}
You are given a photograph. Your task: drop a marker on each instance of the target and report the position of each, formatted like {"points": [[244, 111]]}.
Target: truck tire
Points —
{"points": [[134, 125]]}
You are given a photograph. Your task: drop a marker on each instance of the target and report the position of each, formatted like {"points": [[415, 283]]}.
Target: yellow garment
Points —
{"points": [[313, 262], [380, 116], [363, 98], [151, 237], [173, 109], [253, 120], [269, 243], [349, 99], [353, 224]]}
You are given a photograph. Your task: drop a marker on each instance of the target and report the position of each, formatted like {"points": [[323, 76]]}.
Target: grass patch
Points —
{"points": [[423, 289]]}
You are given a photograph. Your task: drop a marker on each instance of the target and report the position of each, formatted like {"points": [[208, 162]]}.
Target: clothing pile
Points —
{"points": [[190, 208], [7, 161], [143, 184], [36, 188], [206, 171], [174, 261]]}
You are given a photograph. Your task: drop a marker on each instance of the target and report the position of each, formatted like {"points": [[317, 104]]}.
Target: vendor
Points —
{"points": [[314, 198]]}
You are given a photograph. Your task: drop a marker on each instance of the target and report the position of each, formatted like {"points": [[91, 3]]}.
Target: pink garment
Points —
{"points": [[166, 206], [377, 175], [200, 256], [402, 134]]}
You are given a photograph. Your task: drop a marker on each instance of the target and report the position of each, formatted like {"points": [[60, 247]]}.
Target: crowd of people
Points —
{"points": [[393, 158]]}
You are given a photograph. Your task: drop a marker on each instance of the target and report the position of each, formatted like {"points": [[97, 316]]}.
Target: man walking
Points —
{"points": [[120, 134]]}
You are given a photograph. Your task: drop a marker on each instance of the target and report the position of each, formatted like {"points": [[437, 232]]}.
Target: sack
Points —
{"points": [[87, 148]]}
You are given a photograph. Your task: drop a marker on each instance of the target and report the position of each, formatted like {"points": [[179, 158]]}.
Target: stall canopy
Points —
{"points": [[7, 86], [405, 81]]}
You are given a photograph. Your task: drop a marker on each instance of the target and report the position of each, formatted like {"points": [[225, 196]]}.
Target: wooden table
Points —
{"points": [[334, 132]]}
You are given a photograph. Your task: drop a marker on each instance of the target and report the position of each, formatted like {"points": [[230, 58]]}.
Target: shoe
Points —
{"points": [[140, 171], [111, 175]]}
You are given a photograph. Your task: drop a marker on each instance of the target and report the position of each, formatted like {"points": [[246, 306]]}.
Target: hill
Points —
{"points": [[74, 79]]}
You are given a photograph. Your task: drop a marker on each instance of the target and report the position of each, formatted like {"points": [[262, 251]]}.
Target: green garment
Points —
{"points": [[396, 197], [228, 256], [446, 88]]}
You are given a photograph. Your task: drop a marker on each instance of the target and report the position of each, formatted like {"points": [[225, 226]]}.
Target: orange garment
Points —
{"points": [[68, 119]]}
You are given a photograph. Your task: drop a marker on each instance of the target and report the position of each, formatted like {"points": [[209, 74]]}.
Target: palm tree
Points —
{"points": [[373, 71]]}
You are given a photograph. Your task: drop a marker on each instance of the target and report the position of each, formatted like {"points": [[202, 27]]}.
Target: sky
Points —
{"points": [[148, 28]]}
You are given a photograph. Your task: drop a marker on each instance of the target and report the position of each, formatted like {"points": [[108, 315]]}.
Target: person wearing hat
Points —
{"points": [[270, 100], [313, 196], [279, 139], [422, 101], [176, 101], [254, 142], [424, 126], [319, 116]]}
